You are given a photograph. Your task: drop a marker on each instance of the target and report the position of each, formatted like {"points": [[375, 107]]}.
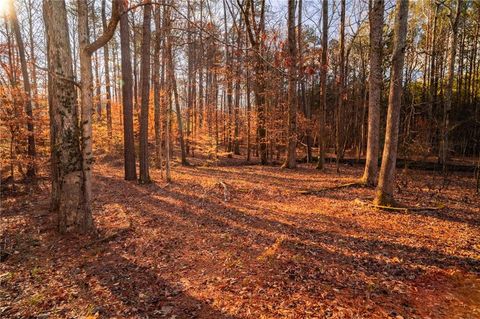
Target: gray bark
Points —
{"points": [[386, 182], [375, 91]]}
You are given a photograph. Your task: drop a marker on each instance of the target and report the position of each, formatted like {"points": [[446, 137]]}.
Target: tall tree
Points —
{"points": [[86, 50], [86, 100], [156, 89], [173, 82], [323, 87], [255, 31], [454, 19], [127, 99], [339, 129], [28, 91], [376, 8], [384, 193], [68, 196], [291, 161], [145, 93], [106, 57]]}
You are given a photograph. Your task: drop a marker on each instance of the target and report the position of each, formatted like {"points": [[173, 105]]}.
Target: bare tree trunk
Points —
{"points": [[249, 108], [173, 83], [236, 143], [69, 202], [306, 107], [454, 20], [291, 161], [86, 100], [97, 97], [127, 99], [339, 129], [145, 94], [256, 41], [168, 99], [32, 53], [375, 91], [28, 93], [386, 181], [432, 97], [156, 89], [323, 87], [106, 56]]}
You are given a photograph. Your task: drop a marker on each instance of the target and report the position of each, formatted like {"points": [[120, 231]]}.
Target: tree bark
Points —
{"points": [[454, 21], [31, 169], [156, 89], [69, 199], [374, 91], [384, 193], [127, 99], [323, 87], [255, 31], [86, 100], [173, 83], [106, 56], [145, 94], [339, 129], [291, 161]]}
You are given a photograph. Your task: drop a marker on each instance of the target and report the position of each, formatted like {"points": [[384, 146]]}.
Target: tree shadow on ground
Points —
{"points": [[142, 292], [313, 263], [209, 211]]}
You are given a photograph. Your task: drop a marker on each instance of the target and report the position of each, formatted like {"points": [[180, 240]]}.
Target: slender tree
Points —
{"points": [[384, 193], [454, 19], [127, 99], [28, 92], [291, 161], [145, 93], [323, 87], [376, 8], [339, 129], [106, 57], [255, 30], [157, 89]]}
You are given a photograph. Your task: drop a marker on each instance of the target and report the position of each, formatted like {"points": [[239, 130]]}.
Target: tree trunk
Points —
{"points": [[384, 193], [86, 100], [106, 56], [323, 87], [375, 91], [173, 83], [69, 196], [145, 94], [454, 20], [127, 100], [339, 129], [156, 89], [28, 92], [291, 161]]}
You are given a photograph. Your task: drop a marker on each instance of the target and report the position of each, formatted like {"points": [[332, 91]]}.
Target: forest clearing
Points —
{"points": [[236, 241], [240, 159]]}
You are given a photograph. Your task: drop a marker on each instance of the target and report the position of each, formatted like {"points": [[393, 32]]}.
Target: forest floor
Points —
{"points": [[237, 241]]}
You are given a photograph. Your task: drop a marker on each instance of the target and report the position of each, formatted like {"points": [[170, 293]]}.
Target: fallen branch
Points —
{"points": [[316, 191], [107, 238], [396, 208]]}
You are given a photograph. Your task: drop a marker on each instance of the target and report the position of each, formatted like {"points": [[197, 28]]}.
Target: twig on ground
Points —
{"points": [[107, 238], [396, 208], [317, 191]]}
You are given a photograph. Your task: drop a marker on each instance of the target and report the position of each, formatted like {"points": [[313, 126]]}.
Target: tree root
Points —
{"points": [[398, 208], [317, 191]]}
